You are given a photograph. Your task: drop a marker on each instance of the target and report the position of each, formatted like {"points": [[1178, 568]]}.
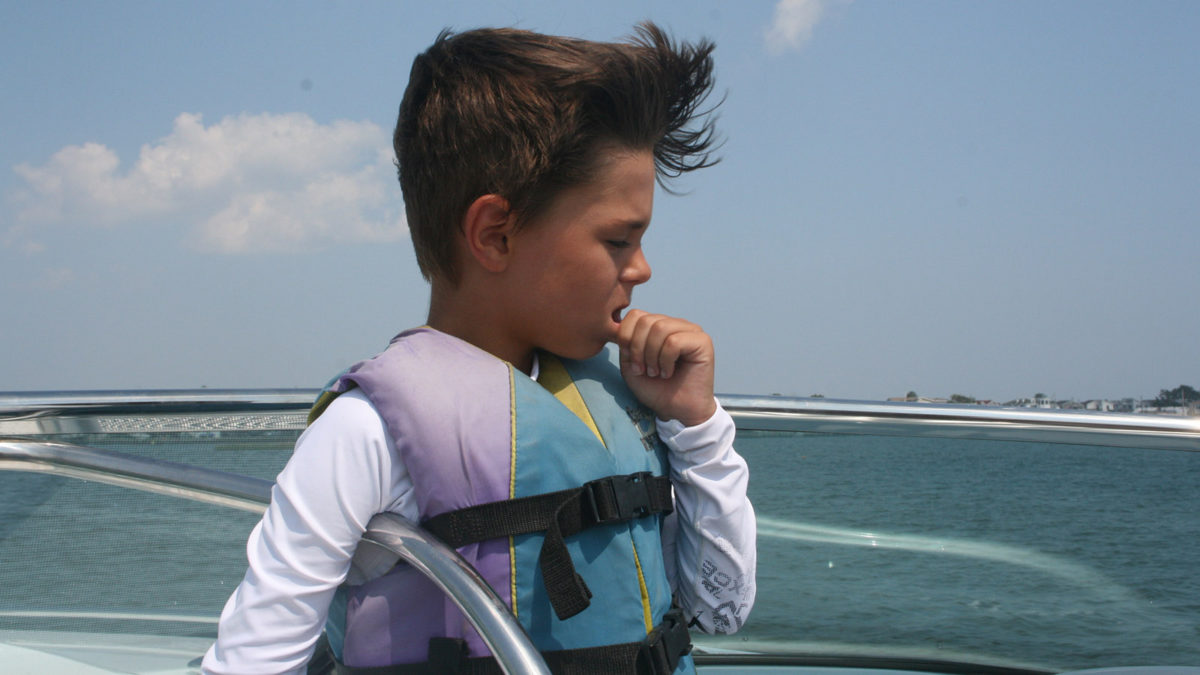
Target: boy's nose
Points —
{"points": [[638, 269]]}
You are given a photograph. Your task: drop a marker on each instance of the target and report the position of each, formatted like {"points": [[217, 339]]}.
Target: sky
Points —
{"points": [[988, 199]]}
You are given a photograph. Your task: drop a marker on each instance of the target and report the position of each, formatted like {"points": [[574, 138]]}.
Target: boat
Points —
{"points": [[123, 519]]}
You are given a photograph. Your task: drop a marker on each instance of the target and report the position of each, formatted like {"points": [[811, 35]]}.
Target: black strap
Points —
{"points": [[658, 654], [559, 514]]}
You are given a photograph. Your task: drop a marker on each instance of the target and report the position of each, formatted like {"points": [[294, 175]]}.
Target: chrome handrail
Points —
{"points": [[29, 414], [140, 473], [1163, 432], [32, 414], [13, 403], [510, 645], [387, 534]]}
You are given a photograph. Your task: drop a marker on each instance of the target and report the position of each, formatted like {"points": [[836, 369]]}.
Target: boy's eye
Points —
{"points": [[618, 243]]}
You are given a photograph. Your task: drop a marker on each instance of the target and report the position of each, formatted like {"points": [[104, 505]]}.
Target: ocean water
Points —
{"points": [[1055, 556]]}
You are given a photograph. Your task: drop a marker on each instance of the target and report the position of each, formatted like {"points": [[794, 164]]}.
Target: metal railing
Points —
{"points": [[388, 538], [1160, 432], [139, 473], [36, 414]]}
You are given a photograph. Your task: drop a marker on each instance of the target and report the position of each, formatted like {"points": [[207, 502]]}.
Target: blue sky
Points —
{"points": [[992, 199]]}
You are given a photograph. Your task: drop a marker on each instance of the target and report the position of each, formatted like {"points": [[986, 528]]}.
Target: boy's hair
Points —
{"points": [[525, 115]]}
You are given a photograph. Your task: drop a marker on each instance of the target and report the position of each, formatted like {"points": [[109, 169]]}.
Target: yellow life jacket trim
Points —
{"points": [[554, 377], [512, 484], [647, 614]]}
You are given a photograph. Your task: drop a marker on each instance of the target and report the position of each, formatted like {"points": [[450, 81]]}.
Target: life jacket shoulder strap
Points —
{"points": [[613, 499]]}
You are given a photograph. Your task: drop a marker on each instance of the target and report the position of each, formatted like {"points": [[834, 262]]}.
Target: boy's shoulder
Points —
{"points": [[418, 362]]}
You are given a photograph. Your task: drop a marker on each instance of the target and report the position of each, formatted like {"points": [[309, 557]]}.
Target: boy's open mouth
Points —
{"points": [[616, 315]]}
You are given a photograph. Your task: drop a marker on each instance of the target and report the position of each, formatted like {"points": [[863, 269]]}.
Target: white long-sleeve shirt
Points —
{"points": [[345, 469]]}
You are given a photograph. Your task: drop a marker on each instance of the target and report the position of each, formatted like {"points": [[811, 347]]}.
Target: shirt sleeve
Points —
{"points": [[344, 471], [709, 541]]}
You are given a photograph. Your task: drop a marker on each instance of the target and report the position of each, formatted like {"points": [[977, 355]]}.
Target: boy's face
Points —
{"points": [[576, 265]]}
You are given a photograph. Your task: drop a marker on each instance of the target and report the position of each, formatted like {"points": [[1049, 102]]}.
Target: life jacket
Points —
{"points": [[475, 434]]}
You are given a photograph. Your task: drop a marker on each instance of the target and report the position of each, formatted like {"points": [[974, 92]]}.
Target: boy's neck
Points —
{"points": [[477, 319]]}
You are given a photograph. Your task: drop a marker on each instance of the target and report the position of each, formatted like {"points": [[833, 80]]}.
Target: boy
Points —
{"points": [[528, 165]]}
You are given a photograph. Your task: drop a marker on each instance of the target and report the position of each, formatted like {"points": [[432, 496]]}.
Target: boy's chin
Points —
{"points": [[581, 352]]}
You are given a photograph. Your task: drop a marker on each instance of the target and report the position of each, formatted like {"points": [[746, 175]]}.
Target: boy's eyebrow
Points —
{"points": [[630, 225]]}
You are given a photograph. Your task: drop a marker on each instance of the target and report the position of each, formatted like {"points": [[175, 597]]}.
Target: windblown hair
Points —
{"points": [[525, 115]]}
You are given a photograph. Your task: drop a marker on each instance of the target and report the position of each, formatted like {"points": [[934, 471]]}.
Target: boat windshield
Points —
{"points": [[887, 537]]}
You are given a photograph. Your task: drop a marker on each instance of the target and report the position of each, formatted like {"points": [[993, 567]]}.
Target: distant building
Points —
{"points": [[919, 399], [1125, 405], [1035, 402]]}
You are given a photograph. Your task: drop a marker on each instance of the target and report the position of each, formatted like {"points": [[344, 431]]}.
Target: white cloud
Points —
{"points": [[793, 24], [20, 238], [245, 184], [53, 279]]}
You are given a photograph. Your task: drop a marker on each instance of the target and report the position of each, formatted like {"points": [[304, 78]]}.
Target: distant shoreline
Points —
{"points": [[1123, 405]]}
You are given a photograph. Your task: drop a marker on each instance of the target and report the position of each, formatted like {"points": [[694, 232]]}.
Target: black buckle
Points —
{"points": [[666, 644], [618, 498]]}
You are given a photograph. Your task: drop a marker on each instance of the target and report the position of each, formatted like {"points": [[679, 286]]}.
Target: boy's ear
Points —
{"points": [[487, 227]]}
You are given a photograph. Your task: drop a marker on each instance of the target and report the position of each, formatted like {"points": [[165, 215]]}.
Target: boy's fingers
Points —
{"points": [[643, 348], [633, 334], [653, 343], [662, 349], [668, 363], [625, 330], [686, 344], [651, 332], [668, 355]]}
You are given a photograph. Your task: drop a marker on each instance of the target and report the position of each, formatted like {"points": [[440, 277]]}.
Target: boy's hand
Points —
{"points": [[668, 363]]}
